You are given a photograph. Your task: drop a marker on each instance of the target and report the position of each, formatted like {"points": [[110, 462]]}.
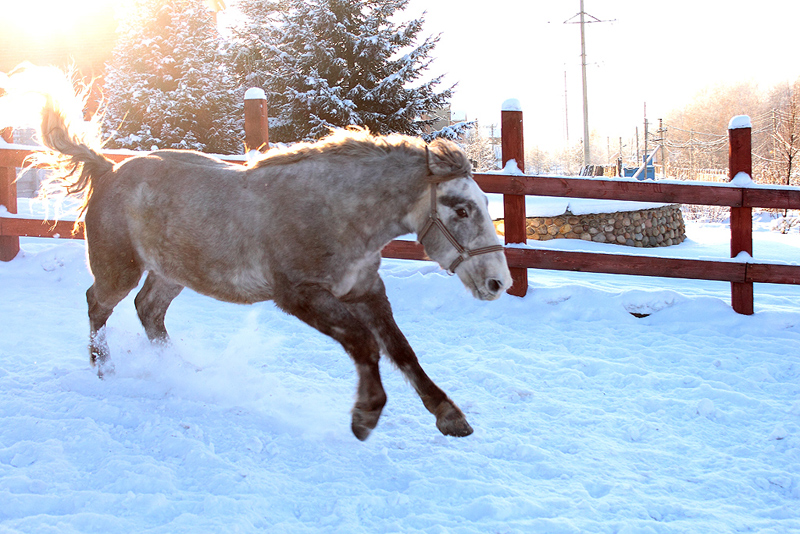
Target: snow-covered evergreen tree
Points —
{"points": [[480, 150], [168, 85], [334, 63]]}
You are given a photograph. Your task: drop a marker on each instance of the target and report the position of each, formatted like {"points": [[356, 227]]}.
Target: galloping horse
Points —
{"points": [[302, 226]]}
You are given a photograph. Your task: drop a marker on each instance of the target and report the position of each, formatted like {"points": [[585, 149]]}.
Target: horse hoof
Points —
{"points": [[450, 421], [364, 422], [105, 369]]}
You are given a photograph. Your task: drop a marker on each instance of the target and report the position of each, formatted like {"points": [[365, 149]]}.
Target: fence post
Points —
{"points": [[9, 244], [740, 159], [513, 147], [256, 125]]}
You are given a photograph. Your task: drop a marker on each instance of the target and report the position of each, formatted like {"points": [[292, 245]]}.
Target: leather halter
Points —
{"points": [[435, 220]]}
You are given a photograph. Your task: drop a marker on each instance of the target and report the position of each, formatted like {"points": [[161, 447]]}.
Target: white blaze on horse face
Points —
{"points": [[463, 209]]}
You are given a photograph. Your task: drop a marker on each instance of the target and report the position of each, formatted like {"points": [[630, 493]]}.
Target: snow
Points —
{"points": [[742, 179], [536, 206], [587, 419], [255, 93], [510, 168], [512, 104], [555, 206], [739, 121], [18, 146]]}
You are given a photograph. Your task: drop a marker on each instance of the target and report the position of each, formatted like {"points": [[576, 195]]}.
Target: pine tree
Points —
{"points": [[168, 85], [334, 63]]}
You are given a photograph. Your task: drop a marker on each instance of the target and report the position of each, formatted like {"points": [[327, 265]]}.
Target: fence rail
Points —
{"points": [[740, 274], [514, 188]]}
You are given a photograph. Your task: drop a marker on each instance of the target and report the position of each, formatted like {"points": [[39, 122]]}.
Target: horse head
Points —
{"points": [[458, 232]]}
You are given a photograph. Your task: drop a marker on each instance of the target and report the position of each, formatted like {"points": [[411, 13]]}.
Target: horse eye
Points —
{"points": [[461, 212]]}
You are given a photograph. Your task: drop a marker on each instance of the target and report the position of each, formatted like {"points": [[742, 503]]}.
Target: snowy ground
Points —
{"points": [[586, 418]]}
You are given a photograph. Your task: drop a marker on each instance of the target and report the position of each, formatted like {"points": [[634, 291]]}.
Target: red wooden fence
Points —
{"points": [[740, 159], [741, 274]]}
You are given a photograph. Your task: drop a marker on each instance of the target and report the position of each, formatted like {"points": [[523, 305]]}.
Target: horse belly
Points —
{"points": [[198, 243], [236, 285], [215, 269], [224, 275]]}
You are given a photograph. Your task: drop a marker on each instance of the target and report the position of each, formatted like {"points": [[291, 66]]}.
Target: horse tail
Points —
{"points": [[73, 145], [79, 165]]}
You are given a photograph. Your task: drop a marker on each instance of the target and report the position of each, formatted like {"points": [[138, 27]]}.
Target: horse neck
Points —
{"points": [[402, 213], [377, 206]]}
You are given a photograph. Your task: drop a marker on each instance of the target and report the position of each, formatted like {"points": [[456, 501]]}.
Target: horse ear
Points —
{"points": [[446, 159]]}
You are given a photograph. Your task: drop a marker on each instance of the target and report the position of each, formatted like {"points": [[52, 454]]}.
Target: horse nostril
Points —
{"points": [[494, 285]]}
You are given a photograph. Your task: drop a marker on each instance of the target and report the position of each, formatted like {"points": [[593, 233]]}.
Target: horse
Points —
{"points": [[302, 226]]}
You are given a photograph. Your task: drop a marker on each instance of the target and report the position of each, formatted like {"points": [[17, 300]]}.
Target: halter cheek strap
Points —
{"points": [[435, 220]]}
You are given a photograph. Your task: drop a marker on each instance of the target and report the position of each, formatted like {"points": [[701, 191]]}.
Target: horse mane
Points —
{"points": [[445, 159]]}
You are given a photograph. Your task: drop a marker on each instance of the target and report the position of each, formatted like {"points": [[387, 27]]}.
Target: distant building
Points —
{"points": [[443, 119]]}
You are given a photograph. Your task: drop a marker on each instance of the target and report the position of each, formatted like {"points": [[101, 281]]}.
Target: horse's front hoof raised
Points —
{"points": [[450, 420], [363, 422]]}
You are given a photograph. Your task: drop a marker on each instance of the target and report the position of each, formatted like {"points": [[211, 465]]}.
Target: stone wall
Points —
{"points": [[656, 227]]}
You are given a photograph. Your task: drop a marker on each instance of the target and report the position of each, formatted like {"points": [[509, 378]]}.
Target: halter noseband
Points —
{"points": [[435, 220]]}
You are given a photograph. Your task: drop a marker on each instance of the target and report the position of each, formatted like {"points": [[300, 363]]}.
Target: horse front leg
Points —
{"points": [[320, 309], [375, 310]]}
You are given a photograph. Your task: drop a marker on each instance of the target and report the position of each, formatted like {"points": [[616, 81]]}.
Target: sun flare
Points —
{"points": [[62, 33], [57, 32], [48, 18]]}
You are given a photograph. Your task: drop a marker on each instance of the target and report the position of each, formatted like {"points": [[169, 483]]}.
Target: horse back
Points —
{"points": [[225, 230], [187, 216]]}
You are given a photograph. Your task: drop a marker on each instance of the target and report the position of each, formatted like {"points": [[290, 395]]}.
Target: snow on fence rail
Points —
{"points": [[741, 196]]}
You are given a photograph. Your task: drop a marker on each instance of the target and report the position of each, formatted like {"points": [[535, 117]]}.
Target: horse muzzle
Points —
{"points": [[488, 277]]}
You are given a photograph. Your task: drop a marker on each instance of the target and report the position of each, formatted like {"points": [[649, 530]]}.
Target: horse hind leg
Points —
{"points": [[98, 315], [116, 270], [152, 302], [101, 304]]}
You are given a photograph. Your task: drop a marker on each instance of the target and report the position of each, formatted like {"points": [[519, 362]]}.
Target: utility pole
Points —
{"points": [[662, 139], [645, 141], [583, 22], [566, 108], [586, 148]]}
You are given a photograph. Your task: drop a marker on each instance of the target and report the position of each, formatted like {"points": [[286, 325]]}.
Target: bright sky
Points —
{"points": [[661, 53], [48, 16]]}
